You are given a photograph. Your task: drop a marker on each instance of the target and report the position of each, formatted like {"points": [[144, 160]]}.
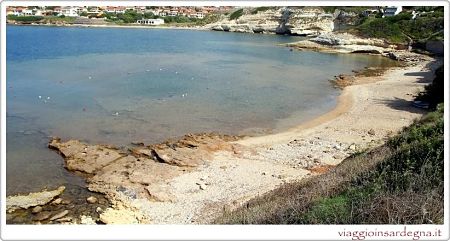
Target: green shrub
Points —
{"points": [[259, 9], [236, 14], [25, 18], [382, 28], [401, 28]]}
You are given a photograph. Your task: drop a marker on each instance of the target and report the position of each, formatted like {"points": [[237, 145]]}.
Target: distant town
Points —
{"points": [[148, 15], [186, 16]]}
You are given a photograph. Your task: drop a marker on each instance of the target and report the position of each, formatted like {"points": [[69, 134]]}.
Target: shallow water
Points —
{"points": [[116, 86]]}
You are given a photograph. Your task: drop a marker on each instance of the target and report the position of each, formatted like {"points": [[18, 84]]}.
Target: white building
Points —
{"points": [[153, 22], [69, 11], [200, 15], [392, 11], [27, 12], [38, 13], [173, 13]]}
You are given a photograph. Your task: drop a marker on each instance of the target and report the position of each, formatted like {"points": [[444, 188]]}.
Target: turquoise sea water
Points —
{"points": [[115, 86]]}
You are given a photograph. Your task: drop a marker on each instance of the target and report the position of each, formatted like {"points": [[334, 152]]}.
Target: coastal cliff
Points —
{"points": [[306, 21]]}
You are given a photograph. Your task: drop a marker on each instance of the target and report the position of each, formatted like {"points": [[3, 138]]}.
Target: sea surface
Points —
{"points": [[116, 86]]}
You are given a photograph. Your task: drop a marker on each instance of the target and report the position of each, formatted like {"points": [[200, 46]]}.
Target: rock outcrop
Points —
{"points": [[305, 21], [139, 172], [31, 200], [344, 43]]}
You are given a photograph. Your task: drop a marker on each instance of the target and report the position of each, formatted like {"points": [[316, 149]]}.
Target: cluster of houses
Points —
{"points": [[74, 11], [386, 11]]}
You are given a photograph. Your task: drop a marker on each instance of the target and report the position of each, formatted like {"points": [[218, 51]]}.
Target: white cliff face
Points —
{"points": [[310, 21], [296, 21], [261, 22]]}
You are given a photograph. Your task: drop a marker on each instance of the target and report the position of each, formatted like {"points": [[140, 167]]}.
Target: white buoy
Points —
{"points": [[48, 97], [40, 97], [90, 77], [116, 114], [160, 69]]}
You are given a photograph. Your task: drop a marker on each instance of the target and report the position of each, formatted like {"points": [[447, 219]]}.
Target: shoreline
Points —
{"points": [[199, 28]]}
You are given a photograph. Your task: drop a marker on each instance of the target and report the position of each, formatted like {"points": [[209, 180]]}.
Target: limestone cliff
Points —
{"points": [[306, 21]]}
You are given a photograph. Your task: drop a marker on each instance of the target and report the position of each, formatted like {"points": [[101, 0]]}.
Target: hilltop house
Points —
{"points": [[392, 11]]}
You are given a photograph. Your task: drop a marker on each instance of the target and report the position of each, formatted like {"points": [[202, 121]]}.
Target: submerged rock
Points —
{"points": [[42, 216], [33, 199], [36, 209], [57, 201], [92, 200], [84, 158], [59, 215]]}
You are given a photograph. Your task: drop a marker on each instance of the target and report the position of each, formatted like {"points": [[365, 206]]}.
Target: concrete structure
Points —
{"points": [[392, 11], [153, 22]]}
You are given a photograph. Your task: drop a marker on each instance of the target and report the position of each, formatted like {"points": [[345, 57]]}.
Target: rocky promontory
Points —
{"points": [[308, 21], [344, 43]]}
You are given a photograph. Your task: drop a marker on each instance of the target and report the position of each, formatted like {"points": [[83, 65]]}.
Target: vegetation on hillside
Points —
{"points": [[131, 16], [236, 14], [41, 19], [25, 18], [402, 29], [260, 9], [401, 182]]}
